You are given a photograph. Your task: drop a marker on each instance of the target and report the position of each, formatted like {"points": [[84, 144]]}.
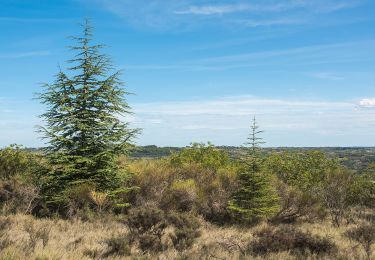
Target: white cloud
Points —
{"points": [[367, 102], [236, 106], [266, 7], [305, 55], [269, 22], [226, 121], [325, 75], [213, 9], [172, 14]]}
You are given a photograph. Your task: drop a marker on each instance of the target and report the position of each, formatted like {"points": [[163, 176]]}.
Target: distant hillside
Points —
{"points": [[356, 158]]}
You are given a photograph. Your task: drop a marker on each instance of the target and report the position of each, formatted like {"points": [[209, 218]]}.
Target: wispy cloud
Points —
{"points": [[168, 14], [269, 22], [226, 120], [24, 54], [367, 103], [214, 9], [237, 106], [259, 6], [334, 53], [325, 76]]}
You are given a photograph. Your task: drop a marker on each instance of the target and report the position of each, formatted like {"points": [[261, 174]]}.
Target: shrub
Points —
{"points": [[17, 196], [288, 238], [118, 246], [296, 204], [153, 177], [78, 199], [99, 199], [362, 190], [185, 230], [364, 234], [14, 161], [180, 196], [149, 225], [18, 190], [141, 220], [207, 156], [334, 192], [146, 227]]}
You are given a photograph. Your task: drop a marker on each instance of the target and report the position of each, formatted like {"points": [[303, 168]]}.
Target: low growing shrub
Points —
{"points": [[148, 227], [186, 230], [181, 196], [288, 238], [117, 246], [364, 234]]}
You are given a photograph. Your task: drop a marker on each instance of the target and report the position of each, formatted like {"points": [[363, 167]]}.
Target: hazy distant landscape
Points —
{"points": [[355, 158]]}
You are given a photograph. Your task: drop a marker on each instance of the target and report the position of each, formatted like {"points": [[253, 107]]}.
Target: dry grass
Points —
{"points": [[74, 239]]}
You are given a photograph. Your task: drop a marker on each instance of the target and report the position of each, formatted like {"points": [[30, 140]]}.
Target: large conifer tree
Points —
{"points": [[255, 197], [83, 126]]}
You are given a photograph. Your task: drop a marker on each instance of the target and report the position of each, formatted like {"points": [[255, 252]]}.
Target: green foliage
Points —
{"points": [[189, 187], [83, 129], [253, 158], [255, 198], [334, 192], [362, 191], [19, 191], [180, 196], [304, 170], [296, 204], [15, 162], [207, 156]]}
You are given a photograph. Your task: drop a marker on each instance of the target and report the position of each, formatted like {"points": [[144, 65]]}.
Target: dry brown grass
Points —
{"points": [[75, 239]]}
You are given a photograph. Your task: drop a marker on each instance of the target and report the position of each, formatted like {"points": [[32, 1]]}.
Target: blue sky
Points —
{"points": [[201, 69]]}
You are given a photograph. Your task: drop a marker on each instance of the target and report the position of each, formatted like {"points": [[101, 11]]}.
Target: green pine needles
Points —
{"points": [[255, 198], [83, 119]]}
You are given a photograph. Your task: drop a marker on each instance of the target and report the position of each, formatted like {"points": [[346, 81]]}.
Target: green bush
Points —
{"points": [[181, 196], [304, 170], [198, 153], [188, 187], [19, 192], [14, 161], [296, 204]]}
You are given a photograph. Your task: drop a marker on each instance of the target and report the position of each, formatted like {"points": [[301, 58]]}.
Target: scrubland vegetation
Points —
{"points": [[177, 207], [83, 198]]}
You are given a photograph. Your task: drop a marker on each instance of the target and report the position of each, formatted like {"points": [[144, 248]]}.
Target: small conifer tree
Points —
{"points": [[82, 122], [255, 198]]}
